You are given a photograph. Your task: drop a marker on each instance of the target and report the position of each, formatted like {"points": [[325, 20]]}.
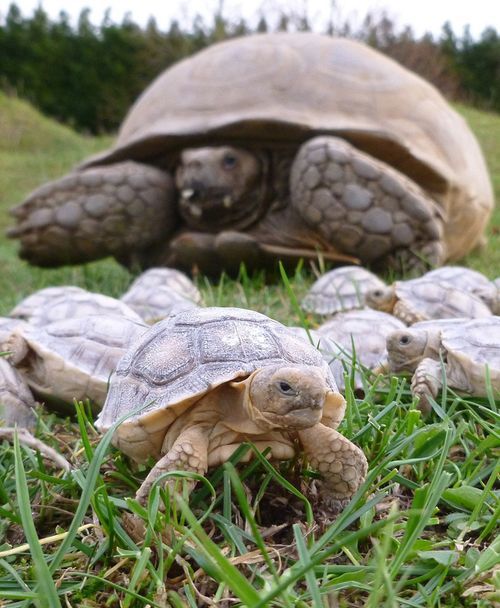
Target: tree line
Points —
{"points": [[87, 76]]}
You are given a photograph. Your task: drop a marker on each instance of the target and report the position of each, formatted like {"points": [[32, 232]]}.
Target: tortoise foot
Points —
{"points": [[93, 213], [417, 261], [361, 205]]}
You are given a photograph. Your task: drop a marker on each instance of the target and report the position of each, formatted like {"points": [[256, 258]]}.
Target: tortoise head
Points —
{"points": [[290, 398], [381, 298], [407, 347], [220, 187]]}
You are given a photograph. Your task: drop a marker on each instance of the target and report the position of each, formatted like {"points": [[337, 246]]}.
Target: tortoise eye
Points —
{"points": [[229, 161], [285, 388], [377, 293], [405, 339]]}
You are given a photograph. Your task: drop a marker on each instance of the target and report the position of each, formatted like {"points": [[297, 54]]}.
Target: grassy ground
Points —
{"points": [[422, 531]]}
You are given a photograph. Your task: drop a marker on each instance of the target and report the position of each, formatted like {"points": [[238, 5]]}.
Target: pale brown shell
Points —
{"points": [[473, 345], [340, 289], [433, 300], [160, 292], [53, 304], [182, 357], [364, 330], [73, 358]]}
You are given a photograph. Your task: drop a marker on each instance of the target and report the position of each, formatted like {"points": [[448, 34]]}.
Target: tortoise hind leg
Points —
{"points": [[90, 214], [365, 207]]}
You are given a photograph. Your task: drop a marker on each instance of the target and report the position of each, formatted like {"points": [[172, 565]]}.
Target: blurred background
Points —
{"points": [[85, 65]]}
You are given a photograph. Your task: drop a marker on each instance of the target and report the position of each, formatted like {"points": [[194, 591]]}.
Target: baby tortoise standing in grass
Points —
{"points": [[467, 347], [422, 299], [213, 378], [272, 146]]}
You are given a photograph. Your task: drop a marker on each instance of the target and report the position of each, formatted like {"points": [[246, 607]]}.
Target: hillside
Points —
{"points": [[34, 149]]}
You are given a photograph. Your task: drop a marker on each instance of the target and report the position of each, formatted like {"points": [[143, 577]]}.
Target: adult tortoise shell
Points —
{"points": [[282, 145]]}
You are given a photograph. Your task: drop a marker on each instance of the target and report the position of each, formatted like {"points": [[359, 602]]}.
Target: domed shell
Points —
{"points": [[366, 329], [160, 292], [469, 348], [183, 357], [340, 289], [73, 358], [466, 279], [68, 302], [173, 279], [433, 300], [477, 340], [16, 400]]}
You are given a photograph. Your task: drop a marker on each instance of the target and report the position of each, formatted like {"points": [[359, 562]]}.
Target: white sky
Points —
{"points": [[422, 15]]}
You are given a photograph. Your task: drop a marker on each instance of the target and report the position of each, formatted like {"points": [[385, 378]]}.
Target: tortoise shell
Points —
{"points": [[466, 279], [68, 302], [183, 357], [433, 300], [73, 358], [366, 330], [474, 345], [160, 292], [340, 289]]}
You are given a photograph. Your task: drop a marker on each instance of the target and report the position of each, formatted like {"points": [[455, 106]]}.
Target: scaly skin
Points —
{"points": [[342, 464], [366, 207], [189, 453], [117, 210], [426, 382]]}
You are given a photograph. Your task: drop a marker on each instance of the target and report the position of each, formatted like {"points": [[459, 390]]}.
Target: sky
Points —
{"points": [[422, 15]]}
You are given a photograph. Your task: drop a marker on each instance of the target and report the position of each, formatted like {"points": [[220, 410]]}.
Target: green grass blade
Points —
{"points": [[225, 570], [310, 576], [47, 596]]}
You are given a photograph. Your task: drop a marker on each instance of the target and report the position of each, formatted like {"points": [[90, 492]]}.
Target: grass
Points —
{"points": [[422, 531]]}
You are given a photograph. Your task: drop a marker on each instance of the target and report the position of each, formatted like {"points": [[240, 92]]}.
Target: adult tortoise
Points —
{"points": [[273, 145]]}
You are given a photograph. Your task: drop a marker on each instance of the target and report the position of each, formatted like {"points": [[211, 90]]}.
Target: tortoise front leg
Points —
{"points": [[364, 207], [426, 382], [342, 464], [406, 314], [111, 210], [189, 453]]}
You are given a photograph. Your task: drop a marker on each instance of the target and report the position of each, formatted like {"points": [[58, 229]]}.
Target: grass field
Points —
{"points": [[422, 531]]}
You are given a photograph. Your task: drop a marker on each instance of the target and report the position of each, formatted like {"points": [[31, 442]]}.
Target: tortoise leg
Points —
{"points": [[16, 400], [188, 453], [426, 382], [342, 464], [364, 207], [211, 253], [406, 314], [90, 214]]}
